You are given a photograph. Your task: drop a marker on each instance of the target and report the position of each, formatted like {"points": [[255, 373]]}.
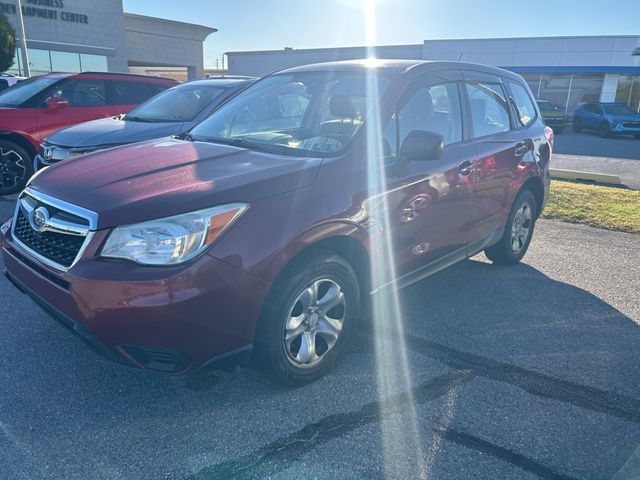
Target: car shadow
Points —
{"points": [[510, 325]]}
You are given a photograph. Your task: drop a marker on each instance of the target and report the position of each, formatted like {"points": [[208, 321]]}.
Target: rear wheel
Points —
{"points": [[605, 130], [15, 167], [308, 319], [517, 233]]}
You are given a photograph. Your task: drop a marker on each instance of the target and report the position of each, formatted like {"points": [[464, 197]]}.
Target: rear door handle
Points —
{"points": [[465, 167]]}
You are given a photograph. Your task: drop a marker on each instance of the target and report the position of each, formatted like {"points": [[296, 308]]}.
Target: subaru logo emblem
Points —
{"points": [[48, 153], [39, 219]]}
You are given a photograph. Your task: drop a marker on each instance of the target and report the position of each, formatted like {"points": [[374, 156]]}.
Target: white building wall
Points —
{"points": [[263, 63]]}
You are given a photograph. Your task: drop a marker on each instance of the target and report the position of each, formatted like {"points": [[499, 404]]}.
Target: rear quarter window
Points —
{"points": [[122, 92], [522, 104]]}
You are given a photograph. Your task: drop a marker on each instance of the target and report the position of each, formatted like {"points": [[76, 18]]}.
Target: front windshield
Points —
{"points": [[23, 91], [618, 109], [179, 104], [314, 113]]}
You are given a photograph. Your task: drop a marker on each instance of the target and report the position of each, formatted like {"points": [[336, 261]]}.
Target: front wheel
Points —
{"points": [[517, 233], [15, 168], [605, 130], [307, 319], [577, 127]]}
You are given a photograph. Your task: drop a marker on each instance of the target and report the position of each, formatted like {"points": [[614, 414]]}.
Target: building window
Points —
{"points": [[566, 91], [45, 61], [93, 63], [628, 91], [65, 62]]}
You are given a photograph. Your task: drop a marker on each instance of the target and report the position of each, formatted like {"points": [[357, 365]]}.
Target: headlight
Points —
{"points": [[172, 240]]}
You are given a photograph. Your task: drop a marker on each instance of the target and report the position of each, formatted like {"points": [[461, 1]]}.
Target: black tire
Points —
{"points": [[272, 354], [503, 253], [16, 167], [605, 130], [577, 127]]}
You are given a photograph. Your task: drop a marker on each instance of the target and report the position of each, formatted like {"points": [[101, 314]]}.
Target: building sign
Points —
{"points": [[48, 9]]}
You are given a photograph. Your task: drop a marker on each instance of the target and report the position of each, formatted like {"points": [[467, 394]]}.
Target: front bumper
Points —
{"points": [[620, 128], [174, 319]]}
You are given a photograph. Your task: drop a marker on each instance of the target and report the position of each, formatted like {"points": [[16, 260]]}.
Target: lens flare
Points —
{"points": [[401, 438]]}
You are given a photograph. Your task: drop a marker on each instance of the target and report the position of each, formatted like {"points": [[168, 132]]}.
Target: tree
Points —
{"points": [[7, 43]]}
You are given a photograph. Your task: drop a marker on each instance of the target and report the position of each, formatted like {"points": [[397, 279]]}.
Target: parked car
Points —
{"points": [[35, 108], [171, 112], [7, 80], [259, 229], [607, 118], [552, 116]]}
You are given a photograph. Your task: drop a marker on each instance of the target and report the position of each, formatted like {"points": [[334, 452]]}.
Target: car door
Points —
{"points": [[427, 202], [591, 116], [499, 148], [85, 100]]}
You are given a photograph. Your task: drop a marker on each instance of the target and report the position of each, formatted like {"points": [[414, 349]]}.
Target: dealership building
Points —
{"points": [[96, 35], [568, 71]]}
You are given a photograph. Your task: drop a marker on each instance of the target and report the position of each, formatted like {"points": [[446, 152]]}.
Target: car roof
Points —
{"points": [[221, 81], [397, 66], [110, 74]]}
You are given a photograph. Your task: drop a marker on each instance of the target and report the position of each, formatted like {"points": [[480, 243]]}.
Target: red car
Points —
{"points": [[33, 109], [266, 226]]}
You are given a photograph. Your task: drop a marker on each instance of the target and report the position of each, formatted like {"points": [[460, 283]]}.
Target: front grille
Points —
{"points": [[60, 248], [631, 124]]}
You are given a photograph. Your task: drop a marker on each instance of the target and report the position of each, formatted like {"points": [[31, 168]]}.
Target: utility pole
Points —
{"points": [[26, 71]]}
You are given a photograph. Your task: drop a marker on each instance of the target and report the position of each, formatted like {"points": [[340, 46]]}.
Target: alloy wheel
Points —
{"points": [[314, 322], [521, 228], [12, 169]]}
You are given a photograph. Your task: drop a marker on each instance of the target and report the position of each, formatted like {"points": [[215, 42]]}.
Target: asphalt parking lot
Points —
{"points": [[516, 373], [587, 152]]}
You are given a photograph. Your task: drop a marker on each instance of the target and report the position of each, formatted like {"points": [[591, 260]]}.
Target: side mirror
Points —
{"points": [[55, 103], [422, 145]]}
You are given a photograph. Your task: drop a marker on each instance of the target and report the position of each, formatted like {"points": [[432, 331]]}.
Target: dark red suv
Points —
{"points": [[267, 226], [33, 109]]}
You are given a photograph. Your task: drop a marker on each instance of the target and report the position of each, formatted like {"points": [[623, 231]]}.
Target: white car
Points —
{"points": [[6, 80]]}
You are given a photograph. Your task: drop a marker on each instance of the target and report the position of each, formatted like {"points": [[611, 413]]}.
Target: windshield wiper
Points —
{"points": [[137, 119]]}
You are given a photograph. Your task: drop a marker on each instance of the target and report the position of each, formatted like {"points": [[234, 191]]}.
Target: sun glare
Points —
{"points": [[401, 438]]}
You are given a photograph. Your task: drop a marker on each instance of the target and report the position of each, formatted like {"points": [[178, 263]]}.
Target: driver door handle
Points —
{"points": [[465, 167]]}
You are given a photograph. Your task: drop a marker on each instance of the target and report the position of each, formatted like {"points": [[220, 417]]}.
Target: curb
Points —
{"points": [[587, 176]]}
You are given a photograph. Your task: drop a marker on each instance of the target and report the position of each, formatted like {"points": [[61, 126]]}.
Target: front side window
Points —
{"points": [[81, 93], [180, 104], [489, 110], [525, 111], [306, 113], [432, 108]]}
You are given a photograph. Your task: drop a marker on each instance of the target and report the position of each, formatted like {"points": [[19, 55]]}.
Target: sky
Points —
{"points": [[275, 24]]}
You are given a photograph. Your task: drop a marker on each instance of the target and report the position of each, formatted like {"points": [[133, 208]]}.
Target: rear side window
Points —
{"points": [[522, 103], [122, 92], [81, 92], [489, 110]]}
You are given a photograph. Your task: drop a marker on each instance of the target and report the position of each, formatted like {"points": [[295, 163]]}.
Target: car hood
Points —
{"points": [[166, 177], [624, 118], [111, 131], [552, 113]]}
